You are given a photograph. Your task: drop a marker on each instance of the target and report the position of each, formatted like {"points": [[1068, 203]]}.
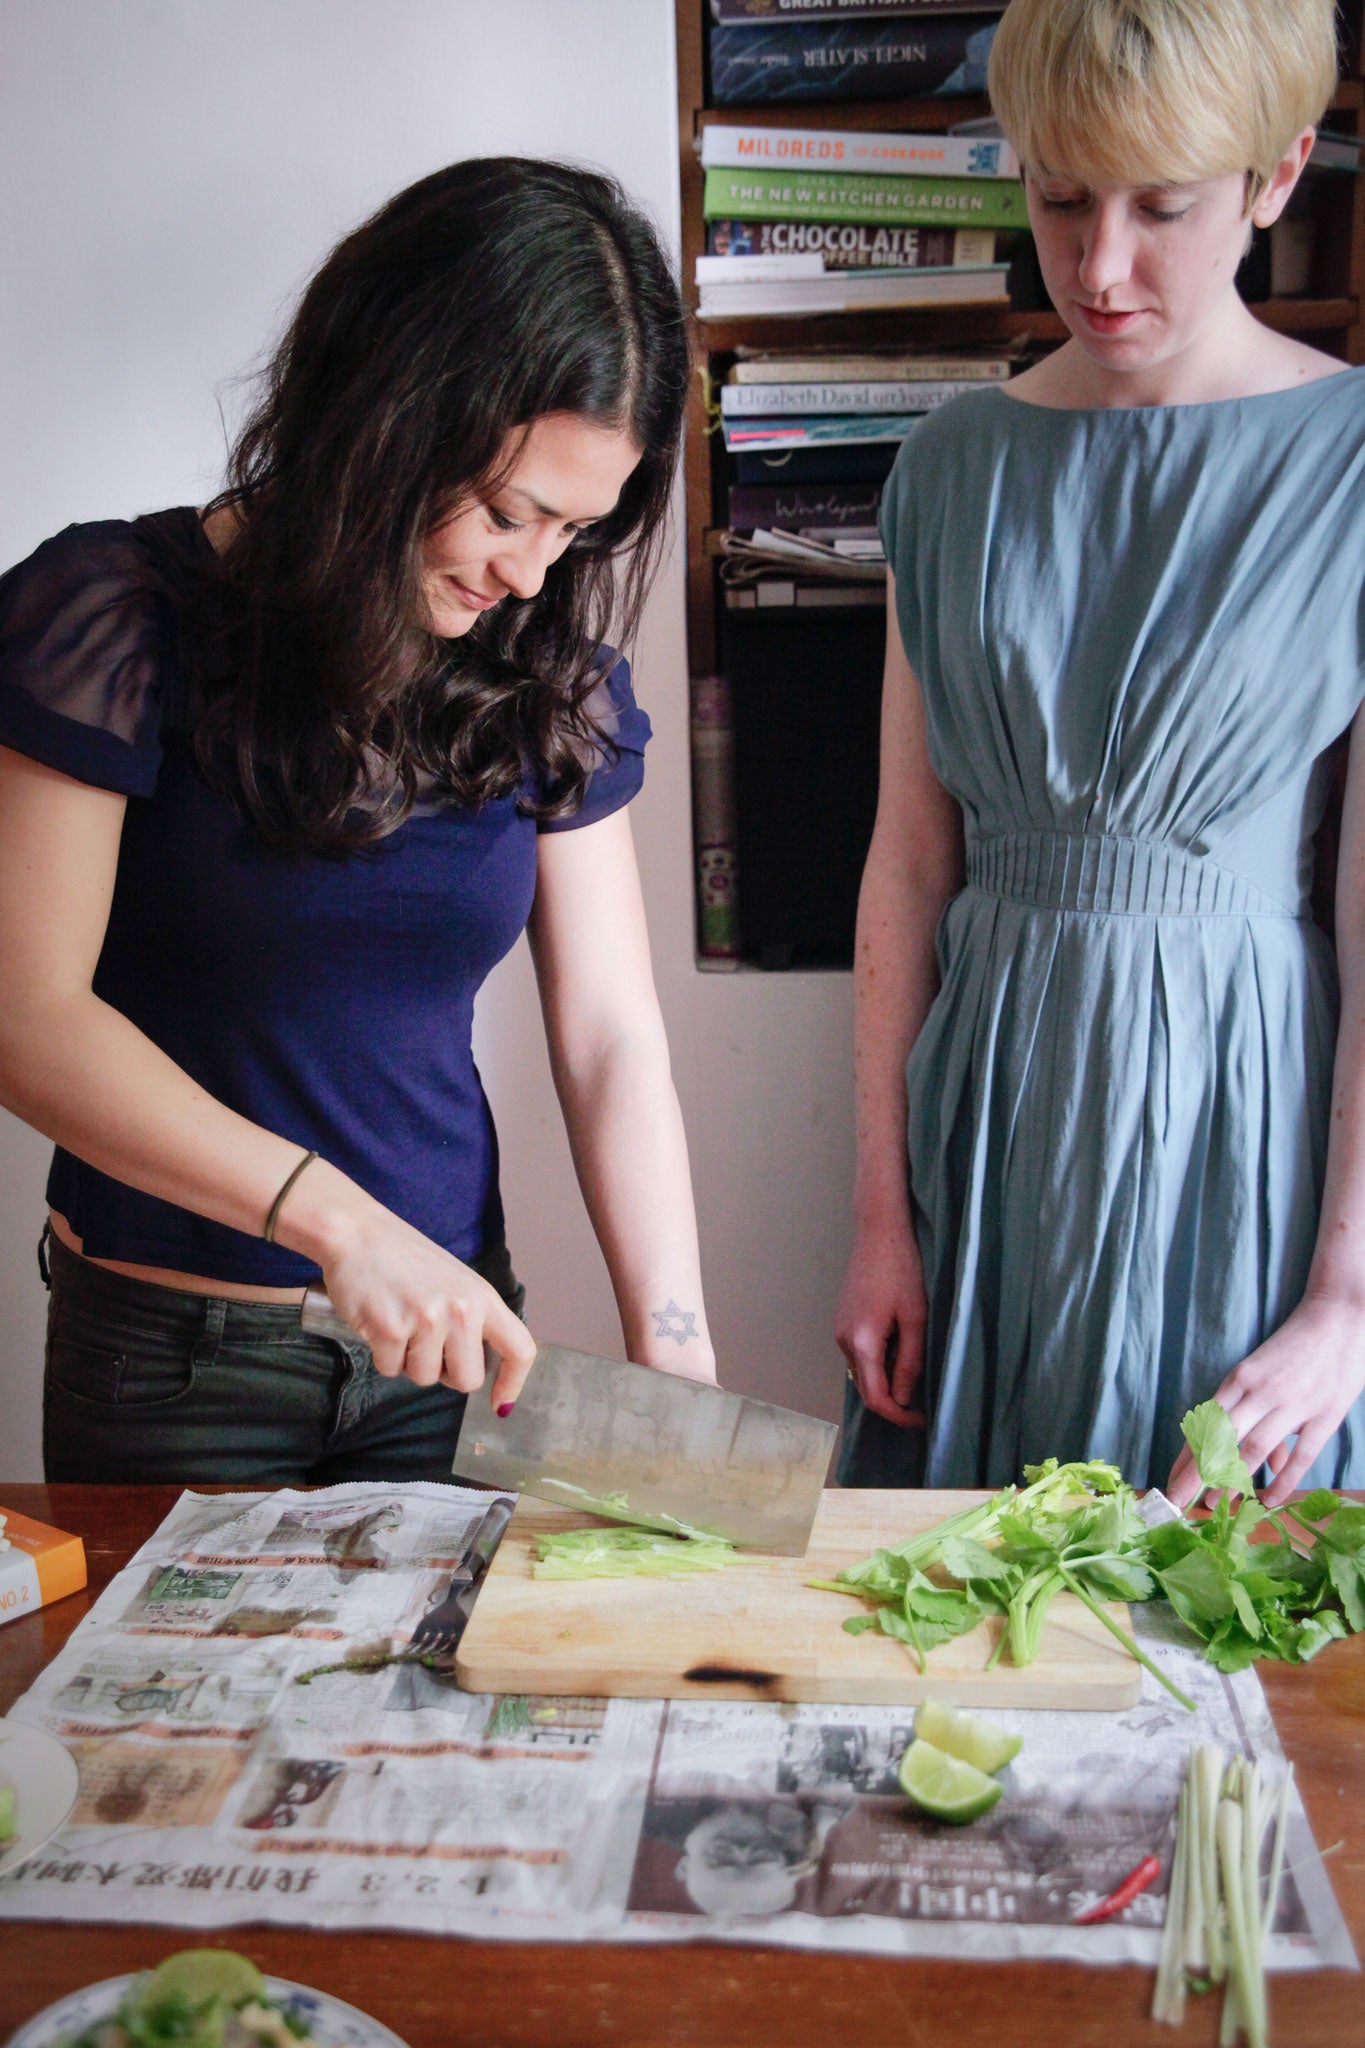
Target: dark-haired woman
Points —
{"points": [[279, 784]]}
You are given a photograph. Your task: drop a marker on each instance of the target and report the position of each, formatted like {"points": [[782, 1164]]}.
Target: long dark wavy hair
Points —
{"points": [[474, 303]]}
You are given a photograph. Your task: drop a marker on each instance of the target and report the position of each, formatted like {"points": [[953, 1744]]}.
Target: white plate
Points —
{"points": [[45, 1780], [331, 2022]]}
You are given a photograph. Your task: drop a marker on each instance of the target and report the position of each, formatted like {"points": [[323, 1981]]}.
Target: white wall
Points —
{"points": [[170, 173]]}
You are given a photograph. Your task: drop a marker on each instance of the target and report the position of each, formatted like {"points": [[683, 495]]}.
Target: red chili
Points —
{"points": [[1123, 1894]]}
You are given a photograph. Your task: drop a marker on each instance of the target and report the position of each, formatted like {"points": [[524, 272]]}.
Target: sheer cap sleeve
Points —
{"points": [[619, 774], [895, 519], [82, 658], [899, 524]]}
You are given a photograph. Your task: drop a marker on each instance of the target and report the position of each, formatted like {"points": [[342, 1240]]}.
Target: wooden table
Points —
{"points": [[457, 1993]]}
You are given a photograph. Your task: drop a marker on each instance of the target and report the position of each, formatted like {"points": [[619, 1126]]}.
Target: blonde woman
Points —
{"points": [[1127, 623]]}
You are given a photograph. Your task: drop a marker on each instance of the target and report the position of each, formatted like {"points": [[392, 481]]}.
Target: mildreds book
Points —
{"points": [[833, 149], [855, 60]]}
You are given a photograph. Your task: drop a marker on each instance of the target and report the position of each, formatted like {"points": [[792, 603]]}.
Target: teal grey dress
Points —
{"points": [[1137, 632]]}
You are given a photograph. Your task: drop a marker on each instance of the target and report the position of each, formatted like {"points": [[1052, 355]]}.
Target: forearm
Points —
{"points": [[914, 866], [895, 981], [1338, 1268], [82, 1074], [630, 1153]]}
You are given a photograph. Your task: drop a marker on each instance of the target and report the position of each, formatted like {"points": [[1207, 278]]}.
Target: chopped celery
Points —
{"points": [[616, 1507], [627, 1554]]}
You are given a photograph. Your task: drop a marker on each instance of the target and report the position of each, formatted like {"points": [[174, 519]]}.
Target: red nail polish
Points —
{"points": [[506, 1409]]}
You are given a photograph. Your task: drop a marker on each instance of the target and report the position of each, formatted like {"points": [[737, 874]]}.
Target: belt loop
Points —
{"points": [[43, 1267], [211, 1335]]}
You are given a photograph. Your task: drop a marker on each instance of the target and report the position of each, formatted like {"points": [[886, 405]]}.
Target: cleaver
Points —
{"points": [[643, 1446], [637, 1445]]}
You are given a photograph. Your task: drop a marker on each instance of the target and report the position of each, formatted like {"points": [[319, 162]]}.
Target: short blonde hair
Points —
{"points": [[1170, 92]]}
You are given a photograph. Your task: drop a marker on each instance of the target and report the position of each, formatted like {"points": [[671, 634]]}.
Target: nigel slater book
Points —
{"points": [[776, 61]]}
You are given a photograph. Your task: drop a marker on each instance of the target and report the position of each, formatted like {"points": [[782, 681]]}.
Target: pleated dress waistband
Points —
{"points": [[1111, 875]]}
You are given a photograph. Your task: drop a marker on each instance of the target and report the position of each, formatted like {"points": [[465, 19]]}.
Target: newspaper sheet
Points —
{"points": [[230, 1772]]}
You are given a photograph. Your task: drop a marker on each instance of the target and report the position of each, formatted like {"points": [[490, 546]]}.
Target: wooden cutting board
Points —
{"points": [[758, 1631]]}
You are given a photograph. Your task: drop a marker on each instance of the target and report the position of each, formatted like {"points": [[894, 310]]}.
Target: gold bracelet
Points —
{"points": [[273, 1218]]}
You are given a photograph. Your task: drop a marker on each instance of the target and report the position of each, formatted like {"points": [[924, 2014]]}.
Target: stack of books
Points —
{"points": [[764, 50], [812, 440], [814, 221]]}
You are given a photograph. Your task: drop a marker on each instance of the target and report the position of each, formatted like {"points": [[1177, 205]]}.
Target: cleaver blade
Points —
{"points": [[639, 1445]]}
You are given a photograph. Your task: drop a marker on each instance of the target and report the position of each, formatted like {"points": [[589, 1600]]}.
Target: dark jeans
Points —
{"points": [[149, 1385]]}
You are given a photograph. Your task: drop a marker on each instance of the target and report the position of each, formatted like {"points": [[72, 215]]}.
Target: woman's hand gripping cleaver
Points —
{"points": [[639, 1445]]}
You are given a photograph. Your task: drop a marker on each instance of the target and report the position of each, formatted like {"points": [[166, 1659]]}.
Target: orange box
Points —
{"points": [[39, 1565]]}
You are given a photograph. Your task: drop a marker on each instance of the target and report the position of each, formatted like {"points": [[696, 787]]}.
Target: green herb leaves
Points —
{"points": [[1210, 1435], [1300, 1586], [1075, 1526], [1278, 1597]]}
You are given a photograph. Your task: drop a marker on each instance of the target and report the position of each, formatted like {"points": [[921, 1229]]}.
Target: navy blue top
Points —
{"points": [[328, 1000]]}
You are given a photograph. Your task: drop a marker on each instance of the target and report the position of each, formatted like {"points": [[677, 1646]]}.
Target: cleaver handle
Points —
{"points": [[320, 1319]]}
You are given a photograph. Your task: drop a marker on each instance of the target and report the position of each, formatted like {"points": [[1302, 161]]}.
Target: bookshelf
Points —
{"points": [[1331, 313]]}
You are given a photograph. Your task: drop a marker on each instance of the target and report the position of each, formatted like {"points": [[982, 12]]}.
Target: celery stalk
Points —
{"points": [[1074, 1585]]}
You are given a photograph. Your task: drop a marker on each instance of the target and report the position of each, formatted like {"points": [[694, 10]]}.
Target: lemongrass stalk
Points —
{"points": [[1230, 2018], [1168, 1993], [1196, 1931], [1229, 1830], [1252, 1794], [1209, 1767], [1272, 1895], [1196, 1934], [1243, 1974], [1251, 1848]]}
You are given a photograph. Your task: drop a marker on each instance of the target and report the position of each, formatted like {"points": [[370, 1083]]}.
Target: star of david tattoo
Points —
{"points": [[672, 1321]]}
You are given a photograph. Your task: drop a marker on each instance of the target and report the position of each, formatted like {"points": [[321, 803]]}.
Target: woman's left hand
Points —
{"points": [[696, 1362], [1299, 1383]]}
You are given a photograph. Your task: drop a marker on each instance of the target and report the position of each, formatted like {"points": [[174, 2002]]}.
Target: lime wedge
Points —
{"points": [[198, 1975], [944, 1786], [968, 1736]]}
